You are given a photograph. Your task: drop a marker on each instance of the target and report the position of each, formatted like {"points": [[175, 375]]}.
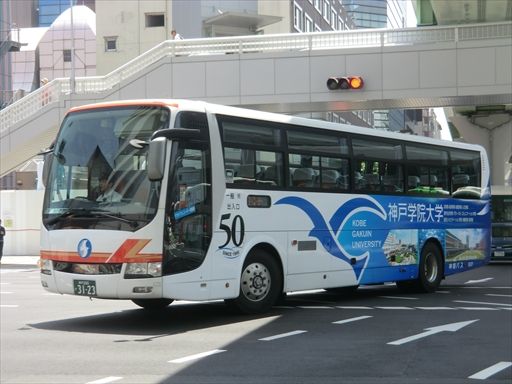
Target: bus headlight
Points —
{"points": [[46, 266], [143, 270]]}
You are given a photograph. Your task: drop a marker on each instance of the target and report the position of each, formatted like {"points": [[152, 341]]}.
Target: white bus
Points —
{"points": [[216, 202]]}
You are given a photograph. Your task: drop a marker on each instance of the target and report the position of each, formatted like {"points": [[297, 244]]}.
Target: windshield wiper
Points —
{"points": [[103, 213], [84, 212]]}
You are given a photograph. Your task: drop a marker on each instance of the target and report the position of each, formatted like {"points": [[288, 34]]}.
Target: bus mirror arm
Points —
{"points": [[177, 134]]}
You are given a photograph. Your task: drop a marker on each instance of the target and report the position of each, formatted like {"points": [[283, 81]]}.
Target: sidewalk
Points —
{"points": [[25, 260]]}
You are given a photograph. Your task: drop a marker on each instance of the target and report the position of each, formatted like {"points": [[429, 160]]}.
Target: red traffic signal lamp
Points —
{"points": [[349, 82]]}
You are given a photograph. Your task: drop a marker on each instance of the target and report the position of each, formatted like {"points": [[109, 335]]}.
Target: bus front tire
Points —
{"points": [[153, 304], [261, 284], [430, 272]]}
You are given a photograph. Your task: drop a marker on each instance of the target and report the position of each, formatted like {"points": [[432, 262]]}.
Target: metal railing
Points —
{"points": [[54, 91]]}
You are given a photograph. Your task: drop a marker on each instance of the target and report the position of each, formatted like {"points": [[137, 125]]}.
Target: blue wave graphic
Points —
{"points": [[326, 234]]}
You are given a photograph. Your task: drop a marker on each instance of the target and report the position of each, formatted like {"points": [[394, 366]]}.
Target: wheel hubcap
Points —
{"points": [[255, 282], [431, 268]]}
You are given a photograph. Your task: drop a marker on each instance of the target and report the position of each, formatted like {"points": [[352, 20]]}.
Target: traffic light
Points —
{"points": [[349, 82]]}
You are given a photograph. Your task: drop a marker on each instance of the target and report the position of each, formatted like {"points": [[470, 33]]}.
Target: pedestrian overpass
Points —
{"points": [[405, 68]]}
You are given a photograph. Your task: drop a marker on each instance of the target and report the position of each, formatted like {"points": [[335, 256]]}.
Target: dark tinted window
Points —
{"points": [[465, 169], [249, 132], [424, 154], [376, 149], [318, 143]]}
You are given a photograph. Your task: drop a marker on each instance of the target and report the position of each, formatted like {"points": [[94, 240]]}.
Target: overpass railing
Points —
{"points": [[60, 88]]}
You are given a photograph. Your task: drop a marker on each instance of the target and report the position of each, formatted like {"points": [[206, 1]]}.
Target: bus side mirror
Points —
{"points": [[47, 165], [156, 158]]}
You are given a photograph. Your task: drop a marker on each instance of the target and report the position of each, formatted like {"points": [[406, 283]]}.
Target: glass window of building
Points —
{"points": [[318, 5], [298, 17], [326, 10], [111, 44], [66, 55], [155, 20], [334, 19], [308, 23]]}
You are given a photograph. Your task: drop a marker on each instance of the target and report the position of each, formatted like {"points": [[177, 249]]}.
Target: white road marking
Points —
{"points": [[435, 308], [479, 308], [400, 308], [481, 302], [482, 287], [351, 320], [479, 281], [351, 307], [442, 292], [2, 271], [493, 369], [2, 283], [105, 380], [497, 295], [508, 309], [8, 306], [453, 327], [293, 333], [196, 356], [314, 307], [5, 293], [399, 297]]}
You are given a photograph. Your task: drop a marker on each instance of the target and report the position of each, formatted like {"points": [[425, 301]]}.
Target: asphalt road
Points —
{"points": [[461, 334]]}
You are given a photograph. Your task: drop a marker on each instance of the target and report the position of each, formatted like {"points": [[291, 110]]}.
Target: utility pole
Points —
{"points": [[72, 77]]}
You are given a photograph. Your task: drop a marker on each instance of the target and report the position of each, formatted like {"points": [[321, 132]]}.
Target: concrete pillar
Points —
{"points": [[497, 142]]}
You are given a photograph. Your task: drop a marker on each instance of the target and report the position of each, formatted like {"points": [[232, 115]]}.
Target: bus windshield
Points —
{"points": [[97, 177]]}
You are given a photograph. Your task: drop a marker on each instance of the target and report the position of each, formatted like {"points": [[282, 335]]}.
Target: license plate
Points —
{"points": [[84, 287], [499, 253]]}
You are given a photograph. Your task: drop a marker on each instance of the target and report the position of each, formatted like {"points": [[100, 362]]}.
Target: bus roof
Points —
{"points": [[197, 105]]}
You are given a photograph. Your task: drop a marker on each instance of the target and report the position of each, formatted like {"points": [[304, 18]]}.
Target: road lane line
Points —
{"points": [[399, 297], [442, 292], [400, 308], [479, 281], [8, 306], [351, 320], [293, 333], [351, 307], [105, 380], [5, 293], [481, 287], [435, 308], [492, 370], [497, 295], [196, 356], [314, 307], [479, 308], [481, 302]]}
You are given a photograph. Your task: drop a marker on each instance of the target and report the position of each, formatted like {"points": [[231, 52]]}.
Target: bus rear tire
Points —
{"points": [[430, 272], [261, 284], [153, 304]]}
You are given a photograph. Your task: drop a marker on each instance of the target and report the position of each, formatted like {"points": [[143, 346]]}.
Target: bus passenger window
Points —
{"points": [[330, 179], [303, 178]]}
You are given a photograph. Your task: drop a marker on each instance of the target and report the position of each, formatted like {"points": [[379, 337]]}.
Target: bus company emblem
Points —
{"points": [[84, 248]]}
